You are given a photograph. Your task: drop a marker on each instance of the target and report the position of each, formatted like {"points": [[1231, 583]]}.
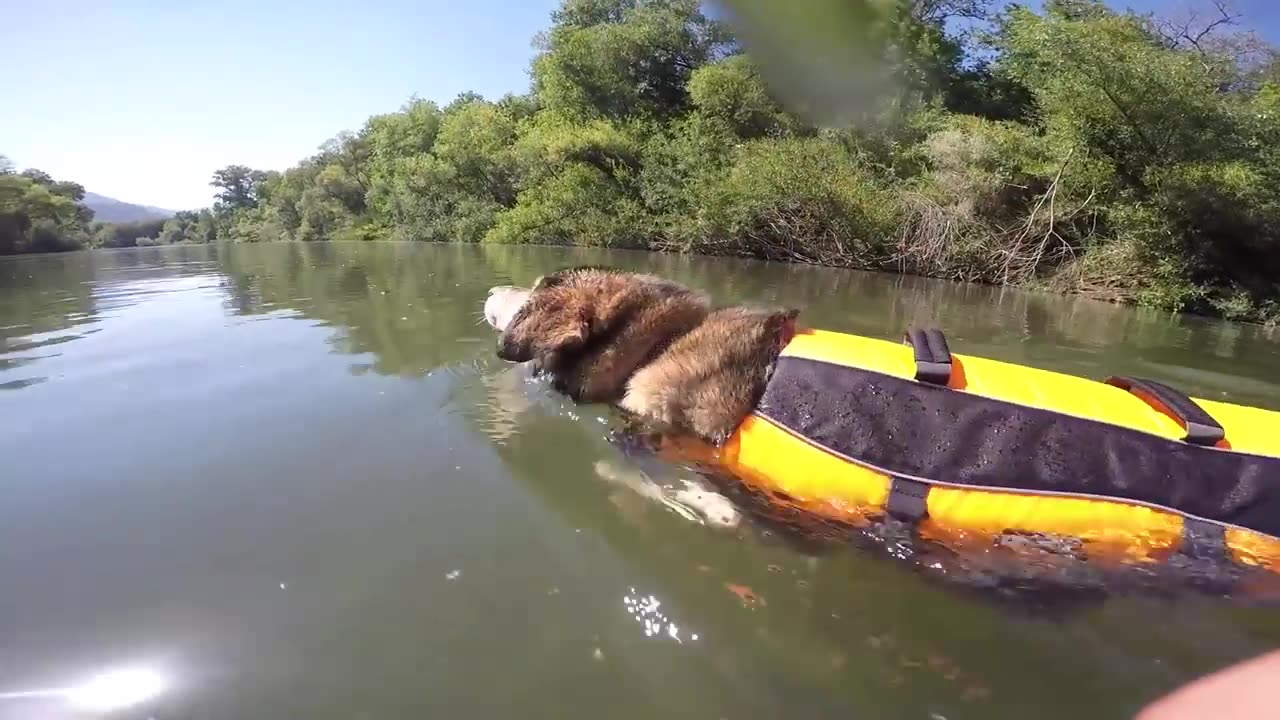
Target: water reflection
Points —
{"points": [[410, 307], [404, 305], [647, 610]]}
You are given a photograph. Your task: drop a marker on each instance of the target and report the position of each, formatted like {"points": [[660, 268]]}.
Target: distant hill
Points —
{"points": [[107, 209]]}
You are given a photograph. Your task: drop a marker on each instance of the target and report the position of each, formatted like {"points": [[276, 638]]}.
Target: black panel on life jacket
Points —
{"points": [[930, 433]]}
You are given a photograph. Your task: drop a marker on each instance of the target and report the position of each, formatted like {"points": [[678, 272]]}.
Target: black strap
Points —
{"points": [[908, 499], [933, 357], [1201, 428], [1204, 540]]}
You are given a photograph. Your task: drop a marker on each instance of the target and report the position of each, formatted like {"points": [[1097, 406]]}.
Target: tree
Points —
{"points": [[589, 13], [113, 235], [732, 92], [173, 231], [411, 131], [38, 177], [1133, 158], [237, 185], [40, 214], [579, 183], [623, 58], [350, 152], [475, 142]]}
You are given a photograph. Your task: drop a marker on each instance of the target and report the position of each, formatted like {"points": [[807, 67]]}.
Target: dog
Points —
{"points": [[655, 349], [687, 375]]}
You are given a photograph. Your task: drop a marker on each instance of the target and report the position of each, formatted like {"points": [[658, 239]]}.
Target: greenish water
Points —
{"points": [[295, 482]]}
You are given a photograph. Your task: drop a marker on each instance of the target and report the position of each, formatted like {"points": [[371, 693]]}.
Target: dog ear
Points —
{"points": [[548, 281], [568, 336], [779, 319], [781, 325], [559, 277], [565, 331]]}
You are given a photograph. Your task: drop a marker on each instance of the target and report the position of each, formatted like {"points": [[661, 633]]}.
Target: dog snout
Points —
{"points": [[502, 304]]}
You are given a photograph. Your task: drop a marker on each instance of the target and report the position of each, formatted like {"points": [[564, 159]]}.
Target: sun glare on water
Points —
{"points": [[115, 690], [106, 692]]}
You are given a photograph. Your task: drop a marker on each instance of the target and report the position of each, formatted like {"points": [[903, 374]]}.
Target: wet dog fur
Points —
{"points": [[652, 347]]}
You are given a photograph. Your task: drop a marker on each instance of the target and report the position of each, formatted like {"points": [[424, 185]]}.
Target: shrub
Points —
{"points": [[581, 205], [799, 199]]}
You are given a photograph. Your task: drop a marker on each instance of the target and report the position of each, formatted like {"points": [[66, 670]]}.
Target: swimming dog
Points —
{"points": [[654, 348]]}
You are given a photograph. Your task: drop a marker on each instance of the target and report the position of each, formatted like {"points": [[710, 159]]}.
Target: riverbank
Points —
{"points": [[1267, 316], [1076, 150]]}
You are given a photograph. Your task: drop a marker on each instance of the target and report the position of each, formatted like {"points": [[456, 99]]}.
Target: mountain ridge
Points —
{"points": [[109, 209]]}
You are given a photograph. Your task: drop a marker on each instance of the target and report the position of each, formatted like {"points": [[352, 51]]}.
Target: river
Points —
{"points": [[293, 481]]}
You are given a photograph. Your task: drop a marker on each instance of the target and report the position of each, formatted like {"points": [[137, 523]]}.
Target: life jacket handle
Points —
{"points": [[1200, 426]]}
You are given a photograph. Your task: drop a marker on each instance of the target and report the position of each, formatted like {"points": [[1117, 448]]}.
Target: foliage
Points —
{"points": [[800, 200], [119, 235], [238, 185], [621, 58], [578, 184], [732, 92], [1173, 151], [40, 214], [1132, 158]]}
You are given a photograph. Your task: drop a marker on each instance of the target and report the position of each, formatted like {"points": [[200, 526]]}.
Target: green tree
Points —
{"points": [[579, 184], [1132, 158], [1153, 127], [621, 58], [237, 186], [346, 160], [731, 91], [40, 214], [118, 235]]}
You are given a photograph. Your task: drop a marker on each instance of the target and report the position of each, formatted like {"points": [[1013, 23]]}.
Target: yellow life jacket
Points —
{"points": [[852, 427]]}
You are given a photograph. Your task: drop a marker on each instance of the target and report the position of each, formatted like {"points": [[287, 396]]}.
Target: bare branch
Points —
{"points": [[1191, 31], [1218, 39], [939, 11]]}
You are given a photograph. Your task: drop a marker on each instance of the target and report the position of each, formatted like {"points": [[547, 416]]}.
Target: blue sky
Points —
{"points": [[1260, 15], [142, 99]]}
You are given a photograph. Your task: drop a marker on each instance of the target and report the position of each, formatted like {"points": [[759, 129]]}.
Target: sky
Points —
{"points": [[142, 100]]}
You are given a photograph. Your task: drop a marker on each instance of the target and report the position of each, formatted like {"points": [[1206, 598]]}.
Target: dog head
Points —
{"points": [[553, 317], [590, 327]]}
